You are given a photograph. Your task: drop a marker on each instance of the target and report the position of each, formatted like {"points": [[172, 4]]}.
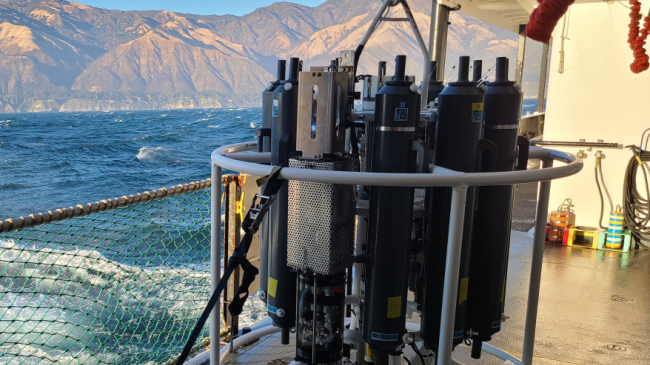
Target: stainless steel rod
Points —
{"points": [[536, 267], [452, 267], [577, 144], [574, 165]]}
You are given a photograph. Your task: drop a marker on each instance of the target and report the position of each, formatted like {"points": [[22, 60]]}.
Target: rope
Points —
{"points": [[637, 37], [545, 17], [62, 214]]}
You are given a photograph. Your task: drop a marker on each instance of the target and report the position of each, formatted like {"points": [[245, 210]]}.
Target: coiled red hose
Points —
{"points": [[637, 37], [545, 17]]}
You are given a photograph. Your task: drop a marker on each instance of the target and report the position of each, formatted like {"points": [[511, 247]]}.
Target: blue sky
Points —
{"points": [[220, 7]]}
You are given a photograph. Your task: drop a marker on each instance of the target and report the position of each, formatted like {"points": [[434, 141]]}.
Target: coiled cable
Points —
{"points": [[635, 205]]}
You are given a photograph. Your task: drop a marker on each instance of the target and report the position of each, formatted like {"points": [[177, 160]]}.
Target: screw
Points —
{"points": [[280, 312]]}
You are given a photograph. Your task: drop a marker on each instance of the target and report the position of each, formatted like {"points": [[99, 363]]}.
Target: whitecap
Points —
{"points": [[148, 153], [213, 126], [252, 125]]}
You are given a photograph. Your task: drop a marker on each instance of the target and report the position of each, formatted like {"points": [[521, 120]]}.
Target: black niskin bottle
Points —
{"points": [[393, 132], [281, 298], [267, 119], [489, 258], [460, 118]]}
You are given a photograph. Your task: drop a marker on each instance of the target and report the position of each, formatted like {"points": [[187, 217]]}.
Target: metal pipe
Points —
{"points": [[574, 165], [536, 267], [500, 354], [423, 49], [576, 144], [215, 261], [452, 267], [374, 23], [438, 36]]}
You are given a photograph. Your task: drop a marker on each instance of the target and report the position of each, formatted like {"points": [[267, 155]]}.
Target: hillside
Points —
{"points": [[61, 55]]}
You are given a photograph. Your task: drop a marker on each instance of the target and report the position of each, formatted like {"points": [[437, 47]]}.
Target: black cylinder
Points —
{"points": [[460, 116], [390, 215], [329, 315], [281, 303], [435, 85], [400, 68], [267, 119], [489, 257], [477, 71], [382, 69]]}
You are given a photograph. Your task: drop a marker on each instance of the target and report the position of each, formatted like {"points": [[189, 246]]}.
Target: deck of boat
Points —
{"points": [[594, 308]]}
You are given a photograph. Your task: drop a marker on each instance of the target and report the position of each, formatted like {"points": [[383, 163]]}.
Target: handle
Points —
{"points": [[485, 145], [423, 156], [523, 146], [261, 133]]}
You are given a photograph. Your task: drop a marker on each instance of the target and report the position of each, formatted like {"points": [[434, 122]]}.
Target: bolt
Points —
{"points": [[280, 312]]}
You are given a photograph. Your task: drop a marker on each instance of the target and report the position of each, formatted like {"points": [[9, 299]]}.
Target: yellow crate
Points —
{"points": [[586, 237]]}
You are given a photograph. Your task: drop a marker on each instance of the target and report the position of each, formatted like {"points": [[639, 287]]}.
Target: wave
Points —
{"points": [[78, 307], [148, 153], [252, 125], [213, 126]]}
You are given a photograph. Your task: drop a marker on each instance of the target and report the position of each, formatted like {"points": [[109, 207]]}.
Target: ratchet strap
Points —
{"points": [[251, 225]]}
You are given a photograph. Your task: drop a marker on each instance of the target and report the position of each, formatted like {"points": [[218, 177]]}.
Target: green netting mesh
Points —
{"points": [[123, 286]]}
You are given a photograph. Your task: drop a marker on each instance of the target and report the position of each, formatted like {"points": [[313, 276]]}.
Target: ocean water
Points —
{"points": [[54, 160]]}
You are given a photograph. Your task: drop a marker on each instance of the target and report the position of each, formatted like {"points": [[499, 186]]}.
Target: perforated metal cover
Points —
{"points": [[321, 220]]}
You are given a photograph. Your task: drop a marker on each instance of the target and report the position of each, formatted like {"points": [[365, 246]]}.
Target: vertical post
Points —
{"points": [[543, 70], [521, 53], [438, 37], [215, 262], [450, 293], [541, 92], [362, 227], [536, 267]]}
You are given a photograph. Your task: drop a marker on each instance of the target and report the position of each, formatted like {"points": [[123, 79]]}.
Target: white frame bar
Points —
{"points": [[231, 158]]}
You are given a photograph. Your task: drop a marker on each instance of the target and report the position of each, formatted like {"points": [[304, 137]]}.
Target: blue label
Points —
{"points": [[275, 109], [401, 114], [459, 334], [271, 308], [384, 336]]}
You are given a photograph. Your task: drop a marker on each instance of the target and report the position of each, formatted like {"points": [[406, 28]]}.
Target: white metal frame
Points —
{"points": [[231, 157]]}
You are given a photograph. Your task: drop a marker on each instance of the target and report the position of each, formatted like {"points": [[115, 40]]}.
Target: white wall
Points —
{"points": [[597, 97]]}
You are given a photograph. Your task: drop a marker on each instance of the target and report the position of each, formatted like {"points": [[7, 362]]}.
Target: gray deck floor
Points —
{"points": [[594, 306]]}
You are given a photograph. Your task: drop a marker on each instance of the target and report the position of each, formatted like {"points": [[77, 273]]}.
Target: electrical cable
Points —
{"points": [[636, 207]]}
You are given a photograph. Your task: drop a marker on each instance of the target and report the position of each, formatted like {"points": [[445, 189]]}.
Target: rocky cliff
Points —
{"points": [[60, 55]]}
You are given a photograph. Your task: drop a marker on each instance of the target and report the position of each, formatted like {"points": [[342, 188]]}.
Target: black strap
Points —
{"points": [[250, 225]]}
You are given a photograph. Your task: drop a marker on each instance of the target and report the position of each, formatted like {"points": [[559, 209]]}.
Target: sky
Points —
{"points": [[219, 7]]}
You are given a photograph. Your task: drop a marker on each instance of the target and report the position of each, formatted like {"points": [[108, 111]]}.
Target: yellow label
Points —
{"points": [[462, 292], [273, 287], [394, 307], [477, 106]]}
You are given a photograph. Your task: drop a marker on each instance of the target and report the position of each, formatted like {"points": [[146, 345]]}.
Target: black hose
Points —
{"points": [[417, 351], [635, 206], [602, 201]]}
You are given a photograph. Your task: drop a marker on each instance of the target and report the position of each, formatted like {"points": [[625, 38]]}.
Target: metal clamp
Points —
{"points": [[257, 212]]}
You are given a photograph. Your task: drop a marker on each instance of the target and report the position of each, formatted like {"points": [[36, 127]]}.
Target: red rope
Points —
{"points": [[545, 17], [637, 37]]}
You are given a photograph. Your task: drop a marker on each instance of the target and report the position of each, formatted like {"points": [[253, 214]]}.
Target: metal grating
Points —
{"points": [[321, 220]]}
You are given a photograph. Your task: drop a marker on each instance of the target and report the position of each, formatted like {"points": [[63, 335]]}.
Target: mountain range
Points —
{"points": [[62, 55]]}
